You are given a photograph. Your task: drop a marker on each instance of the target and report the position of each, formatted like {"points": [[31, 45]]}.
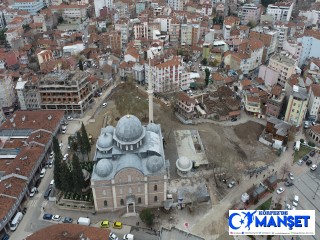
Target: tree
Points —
{"points": [[26, 27], [285, 169], [207, 71], [57, 176], [204, 61], [80, 143], [67, 178], [76, 173], [80, 65], [302, 140], [2, 35], [251, 24], [60, 20], [147, 216], [85, 140]]}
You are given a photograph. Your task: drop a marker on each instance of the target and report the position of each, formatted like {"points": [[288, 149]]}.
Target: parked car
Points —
{"points": [[312, 153], [291, 176], [128, 237], [112, 236], [65, 157], [104, 104], [305, 158], [4, 237], [50, 164], [117, 225], [313, 167], [105, 224], [280, 190], [288, 207], [56, 218], [295, 200], [43, 172], [231, 184], [300, 162], [234, 119], [33, 191], [288, 183], [47, 216], [67, 220], [69, 118], [308, 162]]}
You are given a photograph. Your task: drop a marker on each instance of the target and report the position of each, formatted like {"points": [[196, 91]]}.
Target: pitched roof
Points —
{"points": [[315, 89]]}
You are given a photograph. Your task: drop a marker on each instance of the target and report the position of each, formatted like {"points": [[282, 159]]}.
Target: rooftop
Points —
{"points": [[286, 60]]}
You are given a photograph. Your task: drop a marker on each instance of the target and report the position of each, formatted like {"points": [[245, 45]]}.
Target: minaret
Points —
{"points": [[150, 93]]}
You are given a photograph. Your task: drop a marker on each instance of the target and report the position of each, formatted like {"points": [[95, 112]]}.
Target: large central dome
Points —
{"points": [[129, 129]]}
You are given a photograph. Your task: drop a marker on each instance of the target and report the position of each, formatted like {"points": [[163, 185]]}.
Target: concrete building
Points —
{"points": [[283, 33], [281, 11], [100, 4], [130, 168], [175, 233], [314, 102], [293, 48], [73, 14], [275, 102], [7, 93], [269, 75], [176, 4], [67, 91], [141, 30], [31, 6], [284, 65], [186, 34], [249, 12], [26, 140], [174, 31], [297, 106], [310, 46], [140, 7], [28, 95], [312, 15], [252, 105]]}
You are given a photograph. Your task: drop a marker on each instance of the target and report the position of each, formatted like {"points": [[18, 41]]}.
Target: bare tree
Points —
{"points": [[285, 169]]}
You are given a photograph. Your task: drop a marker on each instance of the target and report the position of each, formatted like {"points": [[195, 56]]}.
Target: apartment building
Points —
{"points": [[283, 33], [176, 4], [7, 93], [141, 30], [174, 30], [284, 65], [71, 13], [169, 75], [123, 26], [312, 15], [228, 24], [100, 4], [65, 90], [28, 94], [280, 11], [252, 105], [314, 102], [186, 34], [297, 106], [310, 46], [31, 6], [249, 12], [275, 102], [293, 48], [140, 7]]}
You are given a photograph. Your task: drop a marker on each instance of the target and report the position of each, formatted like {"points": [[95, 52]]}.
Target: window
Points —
{"points": [[155, 198], [139, 200], [121, 202], [155, 188], [105, 203], [130, 190]]}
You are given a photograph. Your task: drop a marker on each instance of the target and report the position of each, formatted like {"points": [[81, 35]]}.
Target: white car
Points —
{"points": [[33, 191], [69, 118], [314, 167], [112, 236], [280, 190], [61, 145], [300, 162], [291, 176], [104, 104], [56, 218], [293, 208], [288, 207], [128, 237], [64, 131], [65, 157]]}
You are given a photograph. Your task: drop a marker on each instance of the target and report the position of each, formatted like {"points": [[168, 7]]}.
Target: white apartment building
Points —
{"points": [[314, 101], [176, 4], [100, 4], [123, 27], [293, 47], [281, 11], [169, 75], [31, 6], [312, 15], [310, 46], [249, 12], [141, 30], [7, 93], [284, 65], [28, 95], [186, 34], [283, 34]]}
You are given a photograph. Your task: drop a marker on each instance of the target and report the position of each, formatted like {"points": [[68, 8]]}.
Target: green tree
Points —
{"points": [[80, 143], [57, 176], [85, 140], [77, 175], [204, 61], [147, 216], [2, 35], [251, 24], [60, 20], [207, 72], [26, 27], [67, 178], [80, 65]]}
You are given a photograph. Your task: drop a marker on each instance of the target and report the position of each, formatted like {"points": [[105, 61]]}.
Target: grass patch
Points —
{"points": [[266, 205], [304, 150]]}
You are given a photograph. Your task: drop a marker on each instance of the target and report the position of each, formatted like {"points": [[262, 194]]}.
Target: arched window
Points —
{"points": [[139, 200], [155, 188], [105, 203], [121, 202], [155, 198]]}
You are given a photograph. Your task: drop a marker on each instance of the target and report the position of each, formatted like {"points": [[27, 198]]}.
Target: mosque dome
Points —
{"points": [[184, 164], [154, 163], [104, 141], [103, 167], [129, 129]]}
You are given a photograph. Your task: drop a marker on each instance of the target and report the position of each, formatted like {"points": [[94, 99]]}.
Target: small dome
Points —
{"points": [[154, 163], [152, 127], [184, 164], [109, 129], [129, 129], [104, 141], [103, 167]]}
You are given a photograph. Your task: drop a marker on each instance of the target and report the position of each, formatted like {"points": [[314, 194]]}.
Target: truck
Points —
{"points": [[297, 146], [84, 221], [16, 220]]}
